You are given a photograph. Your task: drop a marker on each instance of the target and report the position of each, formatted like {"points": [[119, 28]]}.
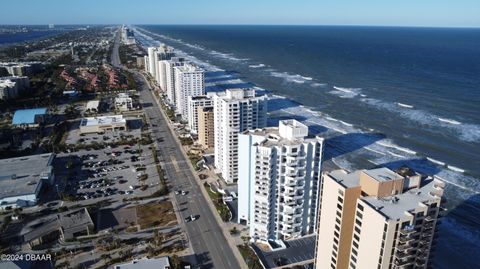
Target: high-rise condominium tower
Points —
{"points": [[235, 111], [279, 181], [377, 219], [189, 81]]}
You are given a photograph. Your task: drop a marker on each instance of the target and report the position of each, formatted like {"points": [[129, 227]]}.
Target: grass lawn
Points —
{"points": [[222, 209], [156, 214], [250, 257]]}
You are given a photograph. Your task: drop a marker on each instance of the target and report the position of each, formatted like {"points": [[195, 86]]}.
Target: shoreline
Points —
{"points": [[387, 144]]}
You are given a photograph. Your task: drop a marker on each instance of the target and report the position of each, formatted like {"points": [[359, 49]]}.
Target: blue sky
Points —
{"points": [[442, 13]]}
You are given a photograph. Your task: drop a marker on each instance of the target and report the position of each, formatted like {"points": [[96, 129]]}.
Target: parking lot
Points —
{"points": [[113, 171]]}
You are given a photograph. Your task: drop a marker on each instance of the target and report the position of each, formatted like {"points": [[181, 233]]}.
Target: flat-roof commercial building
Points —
{"points": [[22, 178], [206, 128], [29, 117], [75, 223], [66, 225], [102, 123], [92, 106], [279, 181], [146, 263], [123, 102], [377, 218], [235, 111]]}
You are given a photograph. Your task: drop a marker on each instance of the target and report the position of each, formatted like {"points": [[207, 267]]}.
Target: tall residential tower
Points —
{"points": [[235, 111], [279, 181], [377, 218]]}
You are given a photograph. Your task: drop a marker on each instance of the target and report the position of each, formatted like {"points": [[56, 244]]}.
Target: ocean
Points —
{"points": [[380, 95]]}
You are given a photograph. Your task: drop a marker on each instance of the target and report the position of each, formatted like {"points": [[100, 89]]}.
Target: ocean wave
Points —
{"points": [[316, 84], [256, 65], [404, 105], [381, 149], [466, 132], [456, 169], [346, 92], [449, 121], [226, 56], [299, 79], [389, 144], [436, 161]]}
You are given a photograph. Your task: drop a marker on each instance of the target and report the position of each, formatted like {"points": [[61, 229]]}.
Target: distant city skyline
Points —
{"points": [[426, 13]]}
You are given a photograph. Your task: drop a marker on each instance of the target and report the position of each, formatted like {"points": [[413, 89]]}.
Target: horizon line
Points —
{"points": [[246, 24]]}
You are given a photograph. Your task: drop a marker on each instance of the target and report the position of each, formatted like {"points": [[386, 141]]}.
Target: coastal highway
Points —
{"points": [[204, 234], [115, 57]]}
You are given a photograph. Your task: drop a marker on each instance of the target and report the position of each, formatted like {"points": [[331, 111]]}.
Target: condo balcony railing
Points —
{"points": [[403, 255]]}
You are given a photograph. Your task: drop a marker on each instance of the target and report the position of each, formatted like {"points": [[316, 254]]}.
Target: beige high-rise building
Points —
{"points": [[206, 135], [377, 219]]}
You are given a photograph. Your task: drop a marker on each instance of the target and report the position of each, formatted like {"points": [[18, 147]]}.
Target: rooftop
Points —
{"points": [[22, 175], [395, 207], [92, 104], [145, 263], [75, 218], [382, 174], [27, 116], [103, 120]]}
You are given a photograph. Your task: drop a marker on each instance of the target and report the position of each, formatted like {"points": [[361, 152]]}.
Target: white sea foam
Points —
{"points": [[345, 92], [449, 121], [299, 79], [346, 123], [436, 161], [389, 144], [395, 154], [382, 148], [226, 56], [373, 150], [456, 169], [404, 105], [467, 132], [316, 84], [256, 65]]}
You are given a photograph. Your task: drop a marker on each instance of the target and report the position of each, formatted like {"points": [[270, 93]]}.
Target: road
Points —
{"points": [[115, 57], [205, 235]]}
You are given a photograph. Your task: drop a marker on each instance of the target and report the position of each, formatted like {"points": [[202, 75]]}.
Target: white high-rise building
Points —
{"points": [[377, 218], [146, 63], [162, 74], [193, 103], [151, 60], [279, 179], [189, 81], [170, 77], [163, 53], [235, 111]]}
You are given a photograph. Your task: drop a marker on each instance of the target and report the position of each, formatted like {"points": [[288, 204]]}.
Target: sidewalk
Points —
{"points": [[225, 226]]}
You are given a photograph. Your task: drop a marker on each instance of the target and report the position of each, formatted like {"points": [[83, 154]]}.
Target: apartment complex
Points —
{"points": [[206, 128], [235, 111], [11, 87], [377, 218], [189, 81], [21, 68], [193, 103], [170, 77], [154, 62], [279, 181]]}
